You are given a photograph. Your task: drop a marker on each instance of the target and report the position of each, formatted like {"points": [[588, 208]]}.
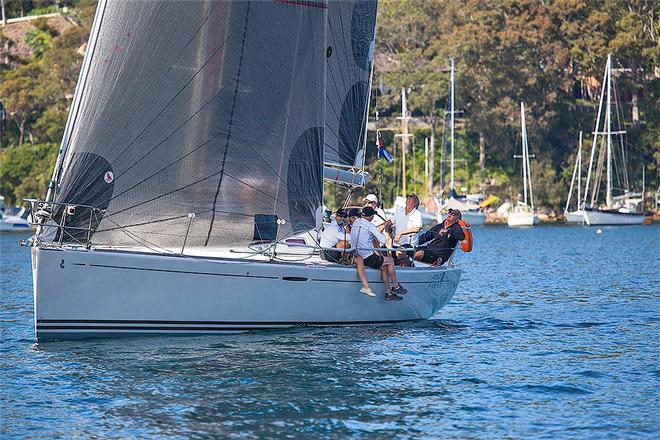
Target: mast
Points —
{"points": [[426, 164], [404, 136], [523, 134], [579, 182], [404, 140], [608, 119], [643, 186], [593, 145], [529, 171], [451, 169]]}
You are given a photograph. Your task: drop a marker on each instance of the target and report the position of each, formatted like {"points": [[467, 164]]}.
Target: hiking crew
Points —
{"points": [[441, 240], [363, 236]]}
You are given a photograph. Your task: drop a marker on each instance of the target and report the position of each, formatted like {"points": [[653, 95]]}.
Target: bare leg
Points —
{"points": [[419, 255], [388, 267], [389, 264], [362, 274], [386, 281]]}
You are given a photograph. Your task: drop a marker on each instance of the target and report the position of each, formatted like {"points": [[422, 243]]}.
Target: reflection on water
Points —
{"points": [[553, 331]]}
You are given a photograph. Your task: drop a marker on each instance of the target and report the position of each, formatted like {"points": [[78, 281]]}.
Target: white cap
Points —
{"points": [[371, 198]]}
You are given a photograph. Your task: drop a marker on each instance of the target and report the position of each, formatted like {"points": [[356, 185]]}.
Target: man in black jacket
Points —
{"points": [[441, 239]]}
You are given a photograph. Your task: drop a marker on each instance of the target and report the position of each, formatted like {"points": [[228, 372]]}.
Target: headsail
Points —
{"points": [[206, 107], [351, 30]]}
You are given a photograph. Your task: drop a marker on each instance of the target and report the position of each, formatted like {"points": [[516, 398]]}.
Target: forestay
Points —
{"points": [[351, 29], [205, 107]]}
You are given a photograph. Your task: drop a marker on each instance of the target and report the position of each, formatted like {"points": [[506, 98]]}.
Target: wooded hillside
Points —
{"points": [[550, 54]]}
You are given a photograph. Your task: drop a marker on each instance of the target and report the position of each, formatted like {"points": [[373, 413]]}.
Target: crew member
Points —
{"points": [[363, 234], [441, 239], [334, 235], [407, 223], [372, 201]]}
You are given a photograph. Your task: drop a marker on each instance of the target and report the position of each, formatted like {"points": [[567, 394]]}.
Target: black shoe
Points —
{"points": [[399, 290], [392, 297]]}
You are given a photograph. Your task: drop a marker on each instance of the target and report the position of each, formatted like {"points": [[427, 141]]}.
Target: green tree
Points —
{"points": [[25, 170], [20, 94], [39, 37]]}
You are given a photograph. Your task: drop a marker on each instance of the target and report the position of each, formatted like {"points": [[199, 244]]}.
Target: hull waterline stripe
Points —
{"points": [[147, 324]]}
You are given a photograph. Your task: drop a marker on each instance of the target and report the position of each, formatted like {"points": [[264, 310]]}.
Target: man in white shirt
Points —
{"points": [[372, 201], [334, 235], [408, 222], [363, 234]]}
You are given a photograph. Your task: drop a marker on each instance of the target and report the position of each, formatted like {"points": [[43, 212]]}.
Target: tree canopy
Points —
{"points": [[550, 54]]}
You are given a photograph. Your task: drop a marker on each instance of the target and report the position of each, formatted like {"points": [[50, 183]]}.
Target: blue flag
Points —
{"points": [[382, 152]]}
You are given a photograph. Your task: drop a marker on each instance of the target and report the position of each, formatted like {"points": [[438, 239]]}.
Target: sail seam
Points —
{"points": [[231, 121]]}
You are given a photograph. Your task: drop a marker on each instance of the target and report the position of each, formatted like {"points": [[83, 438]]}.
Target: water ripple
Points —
{"points": [[550, 335]]}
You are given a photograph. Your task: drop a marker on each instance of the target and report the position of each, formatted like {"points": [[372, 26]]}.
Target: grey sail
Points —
{"points": [[222, 116], [351, 28]]}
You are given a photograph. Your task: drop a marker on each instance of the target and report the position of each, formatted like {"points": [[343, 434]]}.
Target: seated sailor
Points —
{"points": [[334, 235], [372, 201], [363, 234], [407, 223], [441, 239]]}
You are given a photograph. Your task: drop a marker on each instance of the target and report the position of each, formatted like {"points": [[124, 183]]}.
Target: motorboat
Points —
{"points": [[13, 222]]}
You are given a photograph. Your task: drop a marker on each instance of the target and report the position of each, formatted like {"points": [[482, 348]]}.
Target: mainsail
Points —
{"points": [[208, 107], [351, 29]]}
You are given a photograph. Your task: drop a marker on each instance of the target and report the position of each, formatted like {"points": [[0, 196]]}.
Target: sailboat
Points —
{"points": [[577, 215], [522, 214], [625, 208], [187, 192], [470, 210]]}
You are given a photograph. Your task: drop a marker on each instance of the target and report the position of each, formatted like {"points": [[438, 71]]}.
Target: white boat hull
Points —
{"points": [[597, 217], [522, 219], [13, 224], [80, 293], [474, 218], [574, 217]]}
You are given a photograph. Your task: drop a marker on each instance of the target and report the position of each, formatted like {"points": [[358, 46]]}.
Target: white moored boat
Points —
{"points": [[626, 208], [576, 216], [12, 222], [621, 216], [186, 202], [522, 213], [474, 217]]}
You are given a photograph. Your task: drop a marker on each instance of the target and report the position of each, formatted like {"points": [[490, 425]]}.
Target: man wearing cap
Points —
{"points": [[441, 240], [363, 234], [334, 235], [372, 201]]}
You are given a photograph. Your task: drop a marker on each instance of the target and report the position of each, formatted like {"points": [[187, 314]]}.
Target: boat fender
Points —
{"points": [[466, 243]]}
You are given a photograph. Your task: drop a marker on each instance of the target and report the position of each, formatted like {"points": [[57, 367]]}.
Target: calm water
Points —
{"points": [[553, 333]]}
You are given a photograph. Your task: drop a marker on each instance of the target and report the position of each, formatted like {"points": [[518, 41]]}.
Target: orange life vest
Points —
{"points": [[466, 243]]}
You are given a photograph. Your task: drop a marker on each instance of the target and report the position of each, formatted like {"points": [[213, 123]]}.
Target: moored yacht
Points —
{"points": [[522, 213], [625, 208]]}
